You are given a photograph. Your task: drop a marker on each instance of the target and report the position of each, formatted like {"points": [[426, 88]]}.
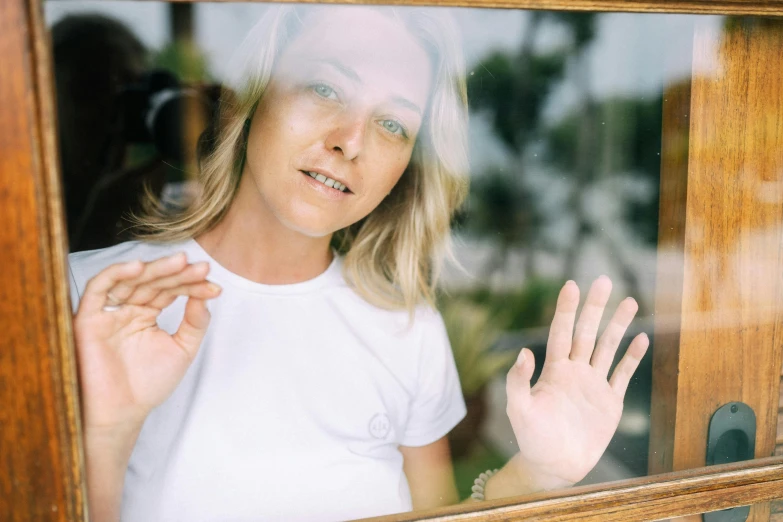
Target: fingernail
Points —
{"points": [[521, 358], [214, 288]]}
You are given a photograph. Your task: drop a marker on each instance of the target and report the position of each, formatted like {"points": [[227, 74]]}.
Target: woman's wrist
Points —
{"points": [[107, 453], [115, 436], [515, 478]]}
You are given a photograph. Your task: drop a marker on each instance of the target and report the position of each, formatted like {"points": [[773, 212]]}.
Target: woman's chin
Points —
{"points": [[311, 227]]}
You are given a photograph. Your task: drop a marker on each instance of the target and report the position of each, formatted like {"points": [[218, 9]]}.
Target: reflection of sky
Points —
{"points": [[628, 55]]}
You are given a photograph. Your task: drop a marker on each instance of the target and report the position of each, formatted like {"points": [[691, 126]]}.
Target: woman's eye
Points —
{"points": [[324, 91], [394, 127]]}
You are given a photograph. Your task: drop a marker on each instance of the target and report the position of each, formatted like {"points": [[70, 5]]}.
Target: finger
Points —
{"points": [[95, 293], [561, 332], [518, 382], [610, 340], [193, 327], [204, 290], [162, 267], [628, 364], [148, 292], [586, 328]]}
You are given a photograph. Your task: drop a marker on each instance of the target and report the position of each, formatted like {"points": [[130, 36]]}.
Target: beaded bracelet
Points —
{"points": [[480, 482]]}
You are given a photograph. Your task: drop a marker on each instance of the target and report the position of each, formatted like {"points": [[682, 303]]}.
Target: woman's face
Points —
{"points": [[345, 104]]}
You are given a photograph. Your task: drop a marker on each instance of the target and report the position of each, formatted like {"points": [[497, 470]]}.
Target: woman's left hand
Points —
{"points": [[565, 422]]}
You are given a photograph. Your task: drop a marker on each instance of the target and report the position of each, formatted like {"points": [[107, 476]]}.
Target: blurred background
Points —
{"points": [[565, 143]]}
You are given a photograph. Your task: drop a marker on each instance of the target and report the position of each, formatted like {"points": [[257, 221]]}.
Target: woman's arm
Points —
{"points": [[430, 474], [127, 365], [107, 455]]}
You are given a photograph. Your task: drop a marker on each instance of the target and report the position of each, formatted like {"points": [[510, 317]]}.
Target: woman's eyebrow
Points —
{"points": [[347, 71], [353, 75], [399, 100]]}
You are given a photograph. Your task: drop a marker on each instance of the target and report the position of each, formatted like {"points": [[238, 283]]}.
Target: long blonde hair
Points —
{"points": [[394, 255]]}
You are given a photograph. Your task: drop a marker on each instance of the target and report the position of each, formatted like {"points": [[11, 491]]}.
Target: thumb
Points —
{"points": [[193, 327], [518, 381]]}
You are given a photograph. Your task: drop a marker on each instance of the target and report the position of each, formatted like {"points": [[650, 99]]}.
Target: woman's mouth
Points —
{"points": [[329, 182]]}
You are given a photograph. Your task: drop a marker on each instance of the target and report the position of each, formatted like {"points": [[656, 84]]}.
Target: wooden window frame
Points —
{"points": [[40, 441]]}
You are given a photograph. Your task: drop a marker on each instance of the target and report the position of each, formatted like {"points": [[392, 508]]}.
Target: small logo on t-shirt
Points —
{"points": [[379, 425]]}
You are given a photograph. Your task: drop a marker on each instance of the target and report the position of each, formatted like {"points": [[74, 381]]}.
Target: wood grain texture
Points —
{"points": [[736, 7], [39, 442], [732, 331], [648, 498], [777, 507], [731, 335], [668, 298]]}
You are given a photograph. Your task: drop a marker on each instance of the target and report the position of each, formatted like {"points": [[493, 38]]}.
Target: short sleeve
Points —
{"points": [[75, 294], [438, 404]]}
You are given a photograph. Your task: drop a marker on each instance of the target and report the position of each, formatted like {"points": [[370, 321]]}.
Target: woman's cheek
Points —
{"points": [[306, 121]]}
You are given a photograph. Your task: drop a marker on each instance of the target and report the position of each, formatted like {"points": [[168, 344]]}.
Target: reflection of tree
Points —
{"points": [[185, 59], [514, 88], [501, 204], [610, 139], [182, 55], [597, 141]]}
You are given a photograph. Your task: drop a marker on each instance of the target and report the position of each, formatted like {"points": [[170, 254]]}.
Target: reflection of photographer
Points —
{"points": [[160, 111], [108, 101]]}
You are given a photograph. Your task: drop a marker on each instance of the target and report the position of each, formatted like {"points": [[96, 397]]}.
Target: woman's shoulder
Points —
{"points": [[84, 265], [423, 321]]}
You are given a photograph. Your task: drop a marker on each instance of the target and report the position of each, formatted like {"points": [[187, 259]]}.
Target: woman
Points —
{"points": [[317, 386]]}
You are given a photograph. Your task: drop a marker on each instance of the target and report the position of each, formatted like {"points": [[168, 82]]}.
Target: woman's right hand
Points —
{"points": [[127, 364]]}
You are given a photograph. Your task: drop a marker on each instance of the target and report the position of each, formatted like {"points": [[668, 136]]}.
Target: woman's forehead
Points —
{"points": [[360, 42]]}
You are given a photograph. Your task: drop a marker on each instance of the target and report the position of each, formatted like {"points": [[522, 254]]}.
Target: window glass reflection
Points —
{"points": [[564, 141]]}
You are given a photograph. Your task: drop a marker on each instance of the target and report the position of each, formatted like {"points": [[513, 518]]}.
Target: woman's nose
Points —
{"points": [[347, 136]]}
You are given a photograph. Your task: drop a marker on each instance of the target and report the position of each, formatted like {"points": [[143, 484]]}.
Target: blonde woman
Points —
{"points": [[271, 352]]}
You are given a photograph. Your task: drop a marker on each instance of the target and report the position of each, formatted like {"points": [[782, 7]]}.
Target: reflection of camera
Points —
{"points": [[159, 110]]}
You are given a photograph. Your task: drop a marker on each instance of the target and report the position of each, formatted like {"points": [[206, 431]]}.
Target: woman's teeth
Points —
{"points": [[329, 182]]}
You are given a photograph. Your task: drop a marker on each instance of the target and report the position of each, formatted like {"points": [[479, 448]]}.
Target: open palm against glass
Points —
{"points": [[565, 422]]}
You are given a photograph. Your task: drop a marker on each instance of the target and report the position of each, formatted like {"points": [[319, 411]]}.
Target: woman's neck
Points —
{"points": [[252, 243]]}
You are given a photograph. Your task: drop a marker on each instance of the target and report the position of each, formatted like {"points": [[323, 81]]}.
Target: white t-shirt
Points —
{"points": [[294, 406]]}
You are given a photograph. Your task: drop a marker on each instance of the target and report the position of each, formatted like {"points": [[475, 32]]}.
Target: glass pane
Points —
{"points": [[314, 157]]}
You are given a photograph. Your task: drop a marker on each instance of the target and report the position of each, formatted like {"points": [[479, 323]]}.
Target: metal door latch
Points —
{"points": [[731, 438]]}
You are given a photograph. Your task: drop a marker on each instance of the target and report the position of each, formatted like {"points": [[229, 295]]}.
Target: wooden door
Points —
{"points": [[733, 129]]}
